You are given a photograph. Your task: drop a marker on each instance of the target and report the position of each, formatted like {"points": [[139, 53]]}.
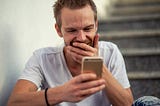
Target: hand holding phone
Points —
{"points": [[92, 64]]}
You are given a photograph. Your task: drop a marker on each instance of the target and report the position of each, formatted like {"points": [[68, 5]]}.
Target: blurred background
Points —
{"points": [[134, 25], [27, 25]]}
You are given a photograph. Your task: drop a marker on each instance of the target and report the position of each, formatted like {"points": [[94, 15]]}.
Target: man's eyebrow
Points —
{"points": [[92, 25], [72, 28]]}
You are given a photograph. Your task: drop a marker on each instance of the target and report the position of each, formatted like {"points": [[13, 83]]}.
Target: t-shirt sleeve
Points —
{"points": [[118, 68], [32, 71]]}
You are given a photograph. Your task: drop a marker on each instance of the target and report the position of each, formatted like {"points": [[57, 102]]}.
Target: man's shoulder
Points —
{"points": [[107, 45], [48, 51]]}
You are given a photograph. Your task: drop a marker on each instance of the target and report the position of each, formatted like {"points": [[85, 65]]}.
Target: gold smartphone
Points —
{"points": [[92, 64]]}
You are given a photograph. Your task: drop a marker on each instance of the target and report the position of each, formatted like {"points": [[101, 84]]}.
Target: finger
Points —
{"points": [[82, 52], [96, 39], [79, 51], [91, 84], [85, 77], [86, 51], [75, 56], [92, 90], [83, 46], [72, 50]]}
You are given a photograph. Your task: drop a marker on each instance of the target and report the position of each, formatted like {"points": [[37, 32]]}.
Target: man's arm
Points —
{"points": [[25, 92], [117, 95]]}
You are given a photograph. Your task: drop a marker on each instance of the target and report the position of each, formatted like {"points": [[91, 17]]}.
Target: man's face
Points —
{"points": [[78, 25]]}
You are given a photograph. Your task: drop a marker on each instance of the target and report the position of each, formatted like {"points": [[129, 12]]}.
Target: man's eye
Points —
{"points": [[87, 29], [71, 30]]}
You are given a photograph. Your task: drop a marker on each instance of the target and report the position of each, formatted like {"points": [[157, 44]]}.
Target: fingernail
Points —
{"points": [[74, 43], [94, 74]]}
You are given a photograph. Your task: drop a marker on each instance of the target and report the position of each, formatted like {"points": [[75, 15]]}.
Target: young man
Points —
{"points": [[58, 69]]}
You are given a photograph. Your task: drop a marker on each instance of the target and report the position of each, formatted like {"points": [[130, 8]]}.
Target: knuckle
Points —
{"points": [[91, 91], [80, 45], [82, 78], [99, 83], [76, 94], [75, 88]]}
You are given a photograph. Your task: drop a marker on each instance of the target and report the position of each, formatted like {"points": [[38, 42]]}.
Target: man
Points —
{"points": [[58, 69]]}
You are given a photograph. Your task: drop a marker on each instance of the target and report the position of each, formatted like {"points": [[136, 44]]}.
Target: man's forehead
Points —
{"points": [[79, 27], [77, 18], [74, 9], [73, 13]]}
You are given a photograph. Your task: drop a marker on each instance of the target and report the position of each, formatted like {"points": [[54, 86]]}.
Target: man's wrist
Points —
{"points": [[46, 98], [54, 95]]}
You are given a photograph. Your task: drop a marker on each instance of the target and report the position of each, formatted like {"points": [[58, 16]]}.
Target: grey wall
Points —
{"points": [[25, 25]]}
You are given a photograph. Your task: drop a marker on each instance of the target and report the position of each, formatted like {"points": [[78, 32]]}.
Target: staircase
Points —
{"points": [[134, 25]]}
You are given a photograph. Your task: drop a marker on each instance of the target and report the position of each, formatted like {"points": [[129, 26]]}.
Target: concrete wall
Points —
{"points": [[25, 25]]}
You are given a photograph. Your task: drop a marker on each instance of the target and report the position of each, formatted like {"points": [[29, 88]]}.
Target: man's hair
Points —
{"points": [[71, 4]]}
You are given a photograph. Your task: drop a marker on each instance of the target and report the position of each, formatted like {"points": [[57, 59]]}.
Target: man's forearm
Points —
{"points": [[117, 95], [34, 98], [27, 99]]}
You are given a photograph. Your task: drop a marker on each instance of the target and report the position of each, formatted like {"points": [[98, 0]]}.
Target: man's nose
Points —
{"points": [[81, 36]]}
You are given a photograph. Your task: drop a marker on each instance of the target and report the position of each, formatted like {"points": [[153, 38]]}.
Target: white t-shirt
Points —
{"points": [[47, 68]]}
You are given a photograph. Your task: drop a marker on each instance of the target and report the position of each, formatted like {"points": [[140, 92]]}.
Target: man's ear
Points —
{"points": [[58, 30]]}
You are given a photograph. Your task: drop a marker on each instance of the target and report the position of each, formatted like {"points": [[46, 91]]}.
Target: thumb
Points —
{"points": [[96, 39]]}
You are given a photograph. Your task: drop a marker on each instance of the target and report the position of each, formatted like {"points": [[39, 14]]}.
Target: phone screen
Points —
{"points": [[92, 64]]}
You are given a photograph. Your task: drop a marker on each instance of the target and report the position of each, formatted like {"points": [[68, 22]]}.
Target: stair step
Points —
{"points": [[145, 87], [129, 18], [134, 25], [108, 26], [140, 52], [133, 39], [136, 2], [134, 10], [129, 34], [142, 63], [144, 75]]}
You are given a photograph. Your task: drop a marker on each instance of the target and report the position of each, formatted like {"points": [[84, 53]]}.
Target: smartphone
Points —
{"points": [[92, 64]]}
